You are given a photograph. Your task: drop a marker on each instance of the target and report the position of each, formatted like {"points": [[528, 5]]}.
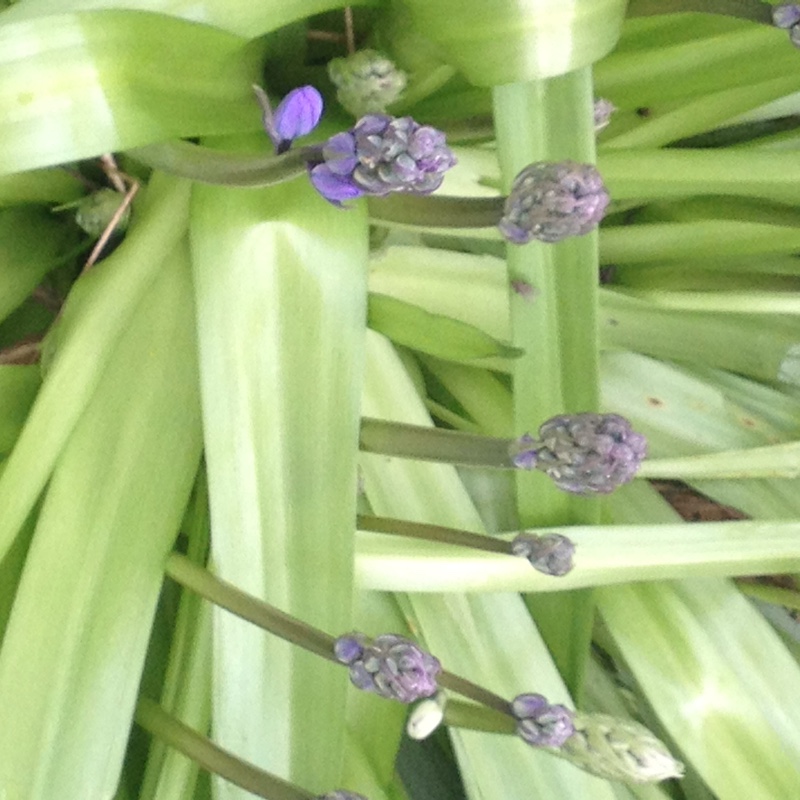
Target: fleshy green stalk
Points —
{"points": [[150, 716]]}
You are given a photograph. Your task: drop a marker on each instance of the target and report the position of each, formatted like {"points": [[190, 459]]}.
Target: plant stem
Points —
{"points": [[150, 716], [754, 10], [432, 533], [435, 444], [474, 692], [477, 718], [227, 596], [439, 211]]}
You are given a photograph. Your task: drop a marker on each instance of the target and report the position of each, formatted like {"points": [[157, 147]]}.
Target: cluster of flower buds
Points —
{"points": [[539, 723], [551, 554], [341, 794], [787, 16], [379, 155], [390, 666], [367, 82], [553, 201], [583, 453]]}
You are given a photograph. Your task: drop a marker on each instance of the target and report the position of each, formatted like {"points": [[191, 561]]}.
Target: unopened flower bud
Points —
{"points": [[425, 718], [786, 15], [553, 201], [341, 794], [367, 82], [296, 115], [619, 750], [95, 212], [583, 453], [603, 109], [382, 154], [390, 666], [551, 554], [539, 723]]}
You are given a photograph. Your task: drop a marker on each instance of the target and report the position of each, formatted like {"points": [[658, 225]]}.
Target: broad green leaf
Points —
{"points": [[71, 660], [18, 387], [507, 40], [98, 311], [78, 85], [280, 280]]}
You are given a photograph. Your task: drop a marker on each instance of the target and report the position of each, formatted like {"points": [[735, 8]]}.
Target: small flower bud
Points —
{"points": [[425, 718], [95, 212], [553, 201], [341, 794], [296, 115], [603, 109], [583, 453], [786, 15], [551, 554], [619, 750], [382, 154], [391, 666], [539, 723], [367, 82]]}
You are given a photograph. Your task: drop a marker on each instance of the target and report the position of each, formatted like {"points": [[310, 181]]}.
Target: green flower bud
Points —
{"points": [[96, 210], [618, 750], [367, 81]]}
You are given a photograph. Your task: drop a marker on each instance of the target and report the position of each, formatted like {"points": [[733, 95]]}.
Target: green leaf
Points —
{"points": [[280, 280], [72, 656], [75, 86]]}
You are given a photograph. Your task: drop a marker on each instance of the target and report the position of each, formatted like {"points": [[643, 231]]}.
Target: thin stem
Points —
{"points": [[477, 718], [776, 595], [754, 10], [474, 692], [349, 31], [150, 716], [227, 596], [204, 165], [438, 211], [432, 533], [435, 444]]}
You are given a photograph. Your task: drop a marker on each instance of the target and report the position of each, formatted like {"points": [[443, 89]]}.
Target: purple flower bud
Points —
{"points": [[553, 201], [382, 154], [539, 723], [297, 115], [786, 15], [341, 794], [589, 453], [794, 35], [523, 452], [551, 554], [390, 666]]}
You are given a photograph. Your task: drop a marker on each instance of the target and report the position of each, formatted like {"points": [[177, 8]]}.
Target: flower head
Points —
{"points": [[786, 15], [379, 155], [539, 723], [619, 750], [553, 201], [367, 81], [390, 665], [551, 554], [583, 453], [296, 115]]}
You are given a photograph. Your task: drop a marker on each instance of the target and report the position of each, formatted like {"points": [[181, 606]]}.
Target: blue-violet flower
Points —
{"points": [[390, 666], [379, 155], [296, 115]]}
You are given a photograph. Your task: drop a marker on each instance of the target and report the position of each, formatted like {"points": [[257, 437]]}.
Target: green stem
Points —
{"points": [[711, 302], [432, 533], [474, 692], [150, 716], [227, 596], [204, 165], [776, 595], [477, 718], [435, 444], [754, 10], [439, 211]]}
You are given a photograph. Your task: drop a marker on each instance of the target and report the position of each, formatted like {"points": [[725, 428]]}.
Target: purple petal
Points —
{"points": [[339, 153], [334, 188], [298, 114]]}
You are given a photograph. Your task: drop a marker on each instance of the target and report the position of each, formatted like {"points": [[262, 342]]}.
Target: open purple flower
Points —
{"points": [[296, 115], [379, 155]]}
